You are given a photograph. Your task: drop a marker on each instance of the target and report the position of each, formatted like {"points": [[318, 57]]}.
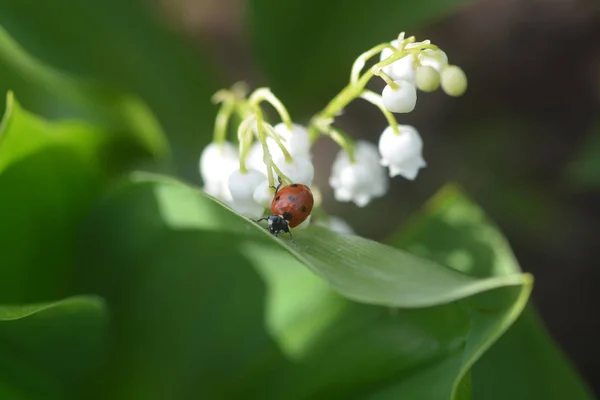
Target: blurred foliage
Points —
{"points": [[454, 232], [127, 285], [118, 43], [50, 174], [584, 171]]}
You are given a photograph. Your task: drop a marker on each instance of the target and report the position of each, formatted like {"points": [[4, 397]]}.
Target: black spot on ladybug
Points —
{"points": [[287, 216], [291, 198], [295, 185], [304, 208], [277, 198]]}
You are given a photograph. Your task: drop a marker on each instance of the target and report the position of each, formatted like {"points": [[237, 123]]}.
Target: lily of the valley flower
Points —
{"points": [[402, 99], [242, 187], [362, 180], [217, 162], [433, 58], [404, 68], [296, 140], [402, 153]]}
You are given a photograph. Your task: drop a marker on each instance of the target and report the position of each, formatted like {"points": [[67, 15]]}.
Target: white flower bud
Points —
{"points": [[242, 187], [427, 79], [433, 58], [296, 141], [454, 81], [217, 162], [359, 181], [402, 153], [402, 69], [402, 100]]}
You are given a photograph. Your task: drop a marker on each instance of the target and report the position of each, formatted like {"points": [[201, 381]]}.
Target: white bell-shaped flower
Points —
{"points": [[401, 100], [242, 187], [403, 68], [300, 170], [217, 162], [433, 58], [362, 180], [254, 159], [402, 153], [263, 194], [296, 140]]}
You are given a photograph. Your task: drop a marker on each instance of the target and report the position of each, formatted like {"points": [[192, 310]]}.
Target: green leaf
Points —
{"points": [[161, 249], [49, 349], [307, 47], [522, 364], [50, 174], [584, 171], [122, 43], [49, 92]]}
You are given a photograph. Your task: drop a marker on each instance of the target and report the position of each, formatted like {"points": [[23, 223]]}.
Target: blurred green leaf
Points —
{"points": [[531, 361], [161, 249], [584, 171], [307, 47], [524, 363], [122, 43], [49, 349], [50, 173], [65, 96]]}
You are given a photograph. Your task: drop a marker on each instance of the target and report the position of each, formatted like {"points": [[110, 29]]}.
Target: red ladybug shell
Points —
{"points": [[296, 200]]}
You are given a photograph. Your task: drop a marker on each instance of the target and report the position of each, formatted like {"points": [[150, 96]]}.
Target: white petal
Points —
{"points": [[401, 100], [249, 209], [263, 194], [362, 199], [242, 186], [300, 170], [342, 194]]}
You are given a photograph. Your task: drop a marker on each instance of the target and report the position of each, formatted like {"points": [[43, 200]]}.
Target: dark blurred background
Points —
{"points": [[524, 141]]}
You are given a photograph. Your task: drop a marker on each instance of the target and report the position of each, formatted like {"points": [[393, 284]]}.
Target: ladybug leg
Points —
{"points": [[258, 220], [278, 186], [292, 238]]}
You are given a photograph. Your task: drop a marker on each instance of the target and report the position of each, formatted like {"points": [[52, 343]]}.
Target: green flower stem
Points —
{"points": [[265, 94], [387, 79], [267, 159], [271, 133], [320, 123], [343, 140], [245, 138], [354, 89], [376, 100], [361, 60], [222, 120], [263, 141]]}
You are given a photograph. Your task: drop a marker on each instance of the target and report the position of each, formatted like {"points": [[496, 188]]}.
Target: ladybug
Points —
{"points": [[291, 205]]}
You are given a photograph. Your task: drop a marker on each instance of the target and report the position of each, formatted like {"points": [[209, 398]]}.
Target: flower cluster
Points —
{"points": [[243, 176]]}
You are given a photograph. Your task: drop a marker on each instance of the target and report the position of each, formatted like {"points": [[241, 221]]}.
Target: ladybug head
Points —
{"points": [[279, 223]]}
